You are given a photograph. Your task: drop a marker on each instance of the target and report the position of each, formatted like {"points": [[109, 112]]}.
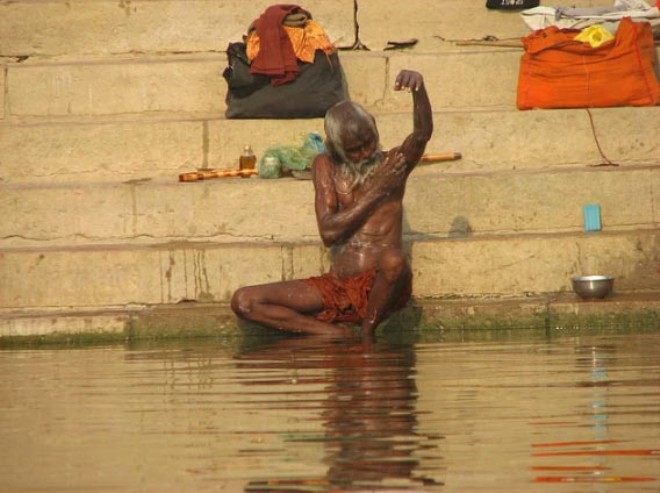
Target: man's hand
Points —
{"points": [[394, 163], [408, 80], [392, 174]]}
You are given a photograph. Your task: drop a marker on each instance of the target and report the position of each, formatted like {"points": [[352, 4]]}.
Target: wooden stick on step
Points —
{"points": [[503, 43], [436, 158], [210, 174]]}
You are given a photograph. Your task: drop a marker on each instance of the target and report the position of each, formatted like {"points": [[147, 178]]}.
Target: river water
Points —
{"points": [[515, 412]]}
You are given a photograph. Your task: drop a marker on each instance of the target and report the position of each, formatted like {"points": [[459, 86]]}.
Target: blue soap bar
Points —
{"points": [[592, 217]]}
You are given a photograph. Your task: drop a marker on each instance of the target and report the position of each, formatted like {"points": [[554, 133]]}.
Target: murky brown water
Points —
{"points": [[521, 414]]}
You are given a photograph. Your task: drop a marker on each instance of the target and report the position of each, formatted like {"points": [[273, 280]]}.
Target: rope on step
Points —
{"points": [[602, 154]]}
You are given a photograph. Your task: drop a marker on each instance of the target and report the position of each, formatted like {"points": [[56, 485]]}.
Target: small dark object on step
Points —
{"points": [[399, 45]]}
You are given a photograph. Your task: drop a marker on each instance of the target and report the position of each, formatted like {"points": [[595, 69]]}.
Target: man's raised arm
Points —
{"points": [[414, 145]]}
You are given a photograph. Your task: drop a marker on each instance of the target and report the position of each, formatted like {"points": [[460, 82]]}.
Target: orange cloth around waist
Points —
{"points": [[305, 41], [345, 300]]}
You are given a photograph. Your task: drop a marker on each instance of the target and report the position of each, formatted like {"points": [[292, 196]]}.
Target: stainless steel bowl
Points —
{"points": [[593, 287]]}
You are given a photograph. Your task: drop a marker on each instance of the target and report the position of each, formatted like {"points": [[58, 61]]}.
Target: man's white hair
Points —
{"points": [[347, 119], [350, 119]]}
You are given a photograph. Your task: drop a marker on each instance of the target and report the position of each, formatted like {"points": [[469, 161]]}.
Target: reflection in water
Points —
{"points": [[520, 413], [371, 437], [594, 361]]}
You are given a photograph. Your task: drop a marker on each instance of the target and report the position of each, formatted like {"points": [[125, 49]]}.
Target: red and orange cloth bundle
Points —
{"points": [[558, 71], [282, 35], [286, 67]]}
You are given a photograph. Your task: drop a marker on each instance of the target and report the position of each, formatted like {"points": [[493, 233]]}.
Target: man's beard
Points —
{"points": [[360, 171]]}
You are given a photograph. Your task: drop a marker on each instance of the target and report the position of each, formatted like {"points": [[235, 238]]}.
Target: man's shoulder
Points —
{"points": [[322, 158], [323, 161], [323, 171]]}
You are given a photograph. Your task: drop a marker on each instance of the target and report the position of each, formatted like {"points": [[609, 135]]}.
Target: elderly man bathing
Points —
{"points": [[359, 192]]}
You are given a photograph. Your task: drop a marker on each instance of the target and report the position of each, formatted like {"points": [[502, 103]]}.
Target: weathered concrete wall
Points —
{"points": [[256, 210], [134, 275], [159, 148], [534, 264], [116, 87], [3, 78]]}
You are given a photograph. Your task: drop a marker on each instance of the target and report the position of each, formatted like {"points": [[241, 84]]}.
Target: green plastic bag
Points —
{"points": [[277, 160]]}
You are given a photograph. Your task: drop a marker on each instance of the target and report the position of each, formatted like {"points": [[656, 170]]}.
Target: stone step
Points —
{"points": [[437, 205], [555, 312], [124, 276], [103, 27], [119, 151], [192, 84]]}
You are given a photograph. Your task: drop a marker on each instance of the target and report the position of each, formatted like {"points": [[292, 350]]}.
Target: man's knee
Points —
{"points": [[242, 302]]}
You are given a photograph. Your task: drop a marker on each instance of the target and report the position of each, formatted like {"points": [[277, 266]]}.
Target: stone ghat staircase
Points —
{"points": [[102, 105]]}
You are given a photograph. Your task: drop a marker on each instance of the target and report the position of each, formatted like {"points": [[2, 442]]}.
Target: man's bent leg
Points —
{"points": [[392, 277], [287, 306]]}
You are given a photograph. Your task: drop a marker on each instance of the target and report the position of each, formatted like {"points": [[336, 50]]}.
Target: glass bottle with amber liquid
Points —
{"points": [[247, 161]]}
